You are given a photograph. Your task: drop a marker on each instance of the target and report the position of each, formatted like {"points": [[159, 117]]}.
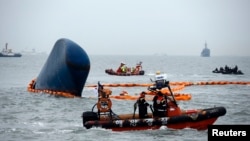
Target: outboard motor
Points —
{"points": [[87, 116], [141, 72], [161, 81]]}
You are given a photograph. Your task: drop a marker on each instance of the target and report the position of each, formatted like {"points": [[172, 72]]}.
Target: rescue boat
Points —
{"points": [[123, 70], [102, 116], [112, 72]]}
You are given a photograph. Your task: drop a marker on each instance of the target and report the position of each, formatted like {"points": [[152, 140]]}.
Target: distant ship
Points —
{"points": [[8, 52], [205, 51]]}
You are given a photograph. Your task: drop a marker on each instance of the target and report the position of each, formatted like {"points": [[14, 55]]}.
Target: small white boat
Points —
{"points": [[8, 52]]}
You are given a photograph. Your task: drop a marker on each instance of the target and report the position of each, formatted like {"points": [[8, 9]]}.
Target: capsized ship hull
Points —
{"points": [[65, 70]]}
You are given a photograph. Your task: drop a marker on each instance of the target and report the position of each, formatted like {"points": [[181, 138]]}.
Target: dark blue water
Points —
{"points": [[28, 116]]}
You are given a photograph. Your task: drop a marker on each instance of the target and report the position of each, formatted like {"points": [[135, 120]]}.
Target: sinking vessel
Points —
{"points": [[65, 71]]}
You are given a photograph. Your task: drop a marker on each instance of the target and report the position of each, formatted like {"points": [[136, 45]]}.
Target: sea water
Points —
{"points": [[31, 116]]}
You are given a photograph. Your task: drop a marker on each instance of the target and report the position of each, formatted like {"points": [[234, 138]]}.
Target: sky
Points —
{"points": [[128, 27]]}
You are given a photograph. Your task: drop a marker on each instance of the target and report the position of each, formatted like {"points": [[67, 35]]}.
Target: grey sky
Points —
{"points": [[171, 27]]}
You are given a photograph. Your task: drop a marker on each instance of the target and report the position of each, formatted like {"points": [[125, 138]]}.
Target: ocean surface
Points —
{"points": [[26, 116]]}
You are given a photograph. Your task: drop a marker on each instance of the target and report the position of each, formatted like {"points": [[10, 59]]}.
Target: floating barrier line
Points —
{"points": [[176, 86], [52, 92], [178, 97], [174, 83], [124, 95]]}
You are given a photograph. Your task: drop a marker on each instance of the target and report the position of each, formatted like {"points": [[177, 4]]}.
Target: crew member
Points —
{"points": [[160, 105], [142, 104], [122, 68], [138, 68]]}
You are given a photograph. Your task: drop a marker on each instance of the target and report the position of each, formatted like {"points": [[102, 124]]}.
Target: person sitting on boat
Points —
{"points": [[235, 69], [216, 70], [138, 68], [221, 69], [227, 68], [119, 70], [133, 70], [160, 104], [122, 68], [143, 105]]}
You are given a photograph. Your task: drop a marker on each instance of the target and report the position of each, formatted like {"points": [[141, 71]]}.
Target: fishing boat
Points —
{"points": [[8, 52], [102, 115], [205, 51]]}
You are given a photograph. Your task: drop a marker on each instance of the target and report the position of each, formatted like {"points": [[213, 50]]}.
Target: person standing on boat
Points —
{"points": [[122, 68], [160, 105], [142, 104], [235, 69]]}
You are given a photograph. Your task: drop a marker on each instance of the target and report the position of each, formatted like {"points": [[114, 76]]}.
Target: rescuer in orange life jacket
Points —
{"points": [[142, 104], [160, 105]]}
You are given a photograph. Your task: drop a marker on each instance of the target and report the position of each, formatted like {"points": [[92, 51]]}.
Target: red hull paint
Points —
{"points": [[199, 125]]}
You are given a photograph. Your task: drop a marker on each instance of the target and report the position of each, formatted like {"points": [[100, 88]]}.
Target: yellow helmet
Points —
{"points": [[158, 72]]}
